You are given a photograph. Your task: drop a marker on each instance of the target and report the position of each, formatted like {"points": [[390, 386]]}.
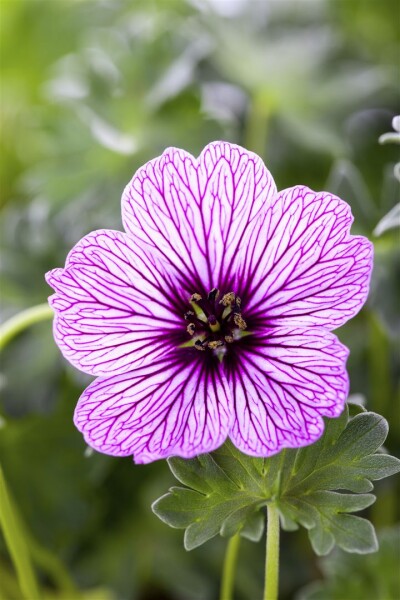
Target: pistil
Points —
{"points": [[213, 323]]}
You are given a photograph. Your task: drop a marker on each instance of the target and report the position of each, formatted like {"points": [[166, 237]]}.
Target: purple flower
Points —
{"points": [[211, 316]]}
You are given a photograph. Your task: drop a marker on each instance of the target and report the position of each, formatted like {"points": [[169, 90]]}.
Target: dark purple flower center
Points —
{"points": [[214, 322]]}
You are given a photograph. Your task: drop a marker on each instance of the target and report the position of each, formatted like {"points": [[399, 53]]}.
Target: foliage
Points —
{"points": [[373, 577], [91, 89], [226, 490]]}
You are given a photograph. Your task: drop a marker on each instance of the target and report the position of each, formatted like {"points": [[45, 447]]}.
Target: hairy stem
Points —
{"points": [[228, 572], [272, 554], [22, 320]]}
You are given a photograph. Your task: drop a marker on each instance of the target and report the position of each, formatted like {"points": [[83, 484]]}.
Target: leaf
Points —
{"points": [[226, 491], [389, 138], [390, 221], [328, 522], [392, 137], [367, 577]]}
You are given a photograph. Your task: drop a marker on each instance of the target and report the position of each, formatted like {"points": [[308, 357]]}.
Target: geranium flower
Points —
{"points": [[211, 316]]}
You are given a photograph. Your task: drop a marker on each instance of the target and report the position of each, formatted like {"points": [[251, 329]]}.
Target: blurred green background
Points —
{"points": [[90, 91]]}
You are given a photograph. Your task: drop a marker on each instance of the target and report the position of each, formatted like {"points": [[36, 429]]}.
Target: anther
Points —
{"points": [[215, 344], [195, 298], [228, 299], [199, 345], [188, 315], [229, 339], [239, 321], [191, 328], [213, 295]]}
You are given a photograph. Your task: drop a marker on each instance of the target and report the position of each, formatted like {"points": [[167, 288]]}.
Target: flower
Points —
{"points": [[211, 316]]}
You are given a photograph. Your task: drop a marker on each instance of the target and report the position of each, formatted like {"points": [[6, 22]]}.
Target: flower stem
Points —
{"points": [[272, 553], [228, 572], [22, 320], [16, 543]]}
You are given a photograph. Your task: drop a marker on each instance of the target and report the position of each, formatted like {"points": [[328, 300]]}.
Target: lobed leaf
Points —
{"points": [[368, 577], [226, 491]]}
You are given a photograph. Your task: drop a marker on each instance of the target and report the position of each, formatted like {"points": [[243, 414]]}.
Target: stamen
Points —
{"points": [[213, 325], [226, 312], [236, 308], [195, 298], [213, 295], [228, 299], [239, 321], [215, 344], [197, 304], [220, 353]]}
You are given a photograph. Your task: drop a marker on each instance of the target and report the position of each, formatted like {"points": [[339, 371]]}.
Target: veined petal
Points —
{"points": [[283, 384], [195, 212], [114, 307], [301, 265], [173, 407]]}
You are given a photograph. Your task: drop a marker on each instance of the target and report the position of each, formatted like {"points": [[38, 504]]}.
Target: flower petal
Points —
{"points": [[174, 407], [302, 267], [114, 307], [285, 381], [195, 212]]}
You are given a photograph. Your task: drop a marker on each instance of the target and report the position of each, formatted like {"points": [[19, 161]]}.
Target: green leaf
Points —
{"points": [[226, 491], [389, 138], [390, 221], [368, 577], [324, 514]]}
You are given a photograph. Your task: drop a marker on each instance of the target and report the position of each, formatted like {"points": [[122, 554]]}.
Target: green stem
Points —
{"points": [[255, 136], [16, 544], [22, 320], [272, 555], [228, 572]]}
